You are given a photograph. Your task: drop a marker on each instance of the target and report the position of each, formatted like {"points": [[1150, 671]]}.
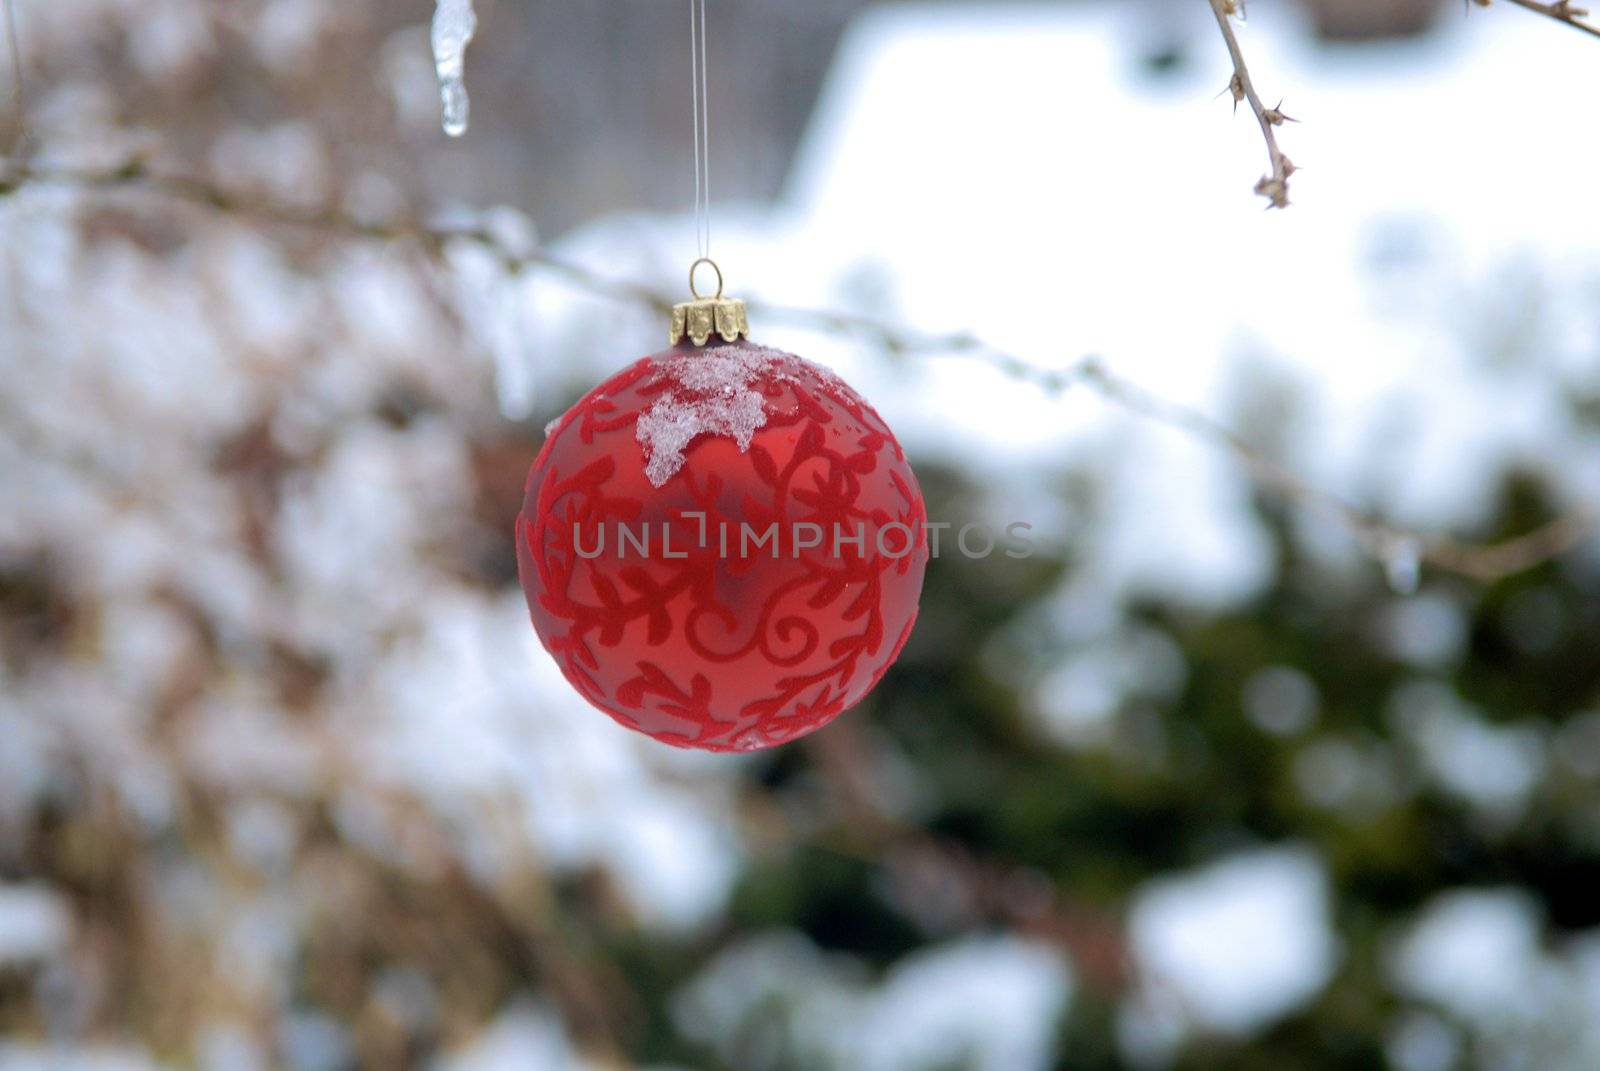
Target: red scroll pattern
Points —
{"points": [[667, 609]]}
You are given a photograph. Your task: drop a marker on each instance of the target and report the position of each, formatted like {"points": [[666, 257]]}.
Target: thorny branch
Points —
{"points": [[1484, 562], [1274, 185], [1560, 10]]}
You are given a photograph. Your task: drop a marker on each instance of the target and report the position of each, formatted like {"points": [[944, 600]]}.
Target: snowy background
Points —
{"points": [[286, 781]]}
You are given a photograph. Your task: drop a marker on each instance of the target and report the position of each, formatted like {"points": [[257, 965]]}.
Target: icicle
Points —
{"points": [[1402, 565], [453, 26]]}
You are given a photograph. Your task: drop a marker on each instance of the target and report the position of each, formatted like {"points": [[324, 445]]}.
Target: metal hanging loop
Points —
{"points": [[694, 268], [704, 317]]}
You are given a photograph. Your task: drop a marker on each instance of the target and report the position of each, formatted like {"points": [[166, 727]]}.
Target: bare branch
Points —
{"points": [[1560, 10], [1475, 561], [19, 94], [1385, 543], [1274, 185]]}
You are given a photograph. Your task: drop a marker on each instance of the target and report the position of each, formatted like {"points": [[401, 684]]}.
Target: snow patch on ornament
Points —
{"points": [[712, 392]]}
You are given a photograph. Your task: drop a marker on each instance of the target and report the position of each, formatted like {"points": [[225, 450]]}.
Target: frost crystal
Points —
{"points": [[453, 26], [714, 392]]}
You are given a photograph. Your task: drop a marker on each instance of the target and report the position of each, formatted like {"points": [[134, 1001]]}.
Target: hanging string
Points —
{"points": [[702, 126]]}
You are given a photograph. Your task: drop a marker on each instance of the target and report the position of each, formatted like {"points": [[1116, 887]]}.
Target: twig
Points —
{"points": [[19, 96], [1560, 10], [1484, 562], [1274, 185], [1517, 555], [1383, 542]]}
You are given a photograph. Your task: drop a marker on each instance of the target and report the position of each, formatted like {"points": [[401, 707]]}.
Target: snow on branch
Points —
{"points": [[1401, 551]]}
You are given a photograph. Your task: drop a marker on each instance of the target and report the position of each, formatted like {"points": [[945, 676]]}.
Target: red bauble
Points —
{"points": [[722, 547]]}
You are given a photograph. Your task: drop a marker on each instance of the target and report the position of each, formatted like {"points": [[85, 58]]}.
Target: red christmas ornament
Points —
{"points": [[722, 546]]}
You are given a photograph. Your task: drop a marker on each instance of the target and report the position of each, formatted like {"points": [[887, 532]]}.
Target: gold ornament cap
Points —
{"points": [[703, 317]]}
